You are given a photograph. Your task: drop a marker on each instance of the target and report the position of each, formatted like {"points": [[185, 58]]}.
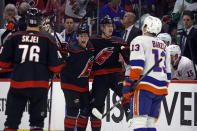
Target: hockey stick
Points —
{"points": [[50, 105], [55, 34], [99, 115]]}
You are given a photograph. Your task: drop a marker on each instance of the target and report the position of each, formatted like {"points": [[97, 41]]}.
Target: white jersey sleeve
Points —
{"points": [[137, 58]]}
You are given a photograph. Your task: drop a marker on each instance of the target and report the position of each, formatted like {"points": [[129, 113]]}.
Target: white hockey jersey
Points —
{"points": [[76, 8], [145, 51], [188, 6], [185, 70]]}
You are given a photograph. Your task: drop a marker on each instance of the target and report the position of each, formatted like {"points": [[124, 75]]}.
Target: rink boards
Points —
{"points": [[179, 109]]}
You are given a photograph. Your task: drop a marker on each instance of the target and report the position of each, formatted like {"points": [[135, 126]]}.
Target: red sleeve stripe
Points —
{"points": [[76, 51], [80, 50], [6, 70], [119, 42], [56, 68], [62, 50], [127, 47], [5, 64], [29, 84], [74, 87], [106, 71]]}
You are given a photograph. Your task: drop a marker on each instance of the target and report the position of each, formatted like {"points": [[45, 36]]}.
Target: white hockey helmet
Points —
{"points": [[153, 25], [174, 49], [165, 37]]}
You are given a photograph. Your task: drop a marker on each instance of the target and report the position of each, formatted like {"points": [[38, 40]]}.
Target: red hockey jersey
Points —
{"points": [[32, 55], [107, 54]]}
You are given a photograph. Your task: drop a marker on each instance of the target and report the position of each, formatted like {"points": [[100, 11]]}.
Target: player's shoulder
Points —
{"points": [[73, 47], [184, 61], [138, 39], [117, 40], [16, 34], [90, 45], [46, 35]]}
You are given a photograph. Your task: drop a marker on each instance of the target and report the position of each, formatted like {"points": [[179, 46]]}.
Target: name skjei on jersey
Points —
{"points": [[28, 38]]}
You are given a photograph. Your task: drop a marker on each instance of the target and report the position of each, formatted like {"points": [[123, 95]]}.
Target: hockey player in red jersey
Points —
{"points": [[106, 69], [33, 55], [75, 80]]}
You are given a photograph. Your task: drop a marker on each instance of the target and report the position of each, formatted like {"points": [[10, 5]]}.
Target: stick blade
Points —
{"points": [[96, 113]]}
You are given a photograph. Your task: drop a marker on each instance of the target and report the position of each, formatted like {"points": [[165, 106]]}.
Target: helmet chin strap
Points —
{"points": [[108, 36], [143, 32]]}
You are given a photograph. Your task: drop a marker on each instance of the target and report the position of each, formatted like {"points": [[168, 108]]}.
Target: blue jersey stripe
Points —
{"points": [[155, 81], [169, 76], [137, 63]]}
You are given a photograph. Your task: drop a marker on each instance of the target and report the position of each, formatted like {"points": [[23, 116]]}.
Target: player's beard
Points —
{"points": [[175, 62]]}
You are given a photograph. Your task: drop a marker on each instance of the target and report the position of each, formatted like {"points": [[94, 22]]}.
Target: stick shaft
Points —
{"points": [[133, 86]]}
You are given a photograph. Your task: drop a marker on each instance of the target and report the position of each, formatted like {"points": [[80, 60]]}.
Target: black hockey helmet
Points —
{"points": [[83, 28], [106, 20], [33, 17]]}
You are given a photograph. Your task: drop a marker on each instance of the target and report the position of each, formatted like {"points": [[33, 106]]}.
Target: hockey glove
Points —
{"points": [[126, 91]]}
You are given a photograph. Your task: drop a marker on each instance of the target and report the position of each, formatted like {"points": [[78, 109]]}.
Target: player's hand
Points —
{"points": [[126, 91]]}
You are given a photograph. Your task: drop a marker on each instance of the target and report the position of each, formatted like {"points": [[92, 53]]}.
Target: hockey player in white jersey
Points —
{"points": [[182, 67], [145, 51], [166, 38]]}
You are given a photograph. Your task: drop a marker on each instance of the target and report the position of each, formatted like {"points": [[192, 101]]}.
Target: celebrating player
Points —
{"points": [[106, 69], [146, 50], [75, 80], [32, 55], [182, 67]]}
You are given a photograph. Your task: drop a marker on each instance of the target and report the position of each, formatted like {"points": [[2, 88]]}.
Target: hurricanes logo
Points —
{"points": [[103, 55], [86, 71]]}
